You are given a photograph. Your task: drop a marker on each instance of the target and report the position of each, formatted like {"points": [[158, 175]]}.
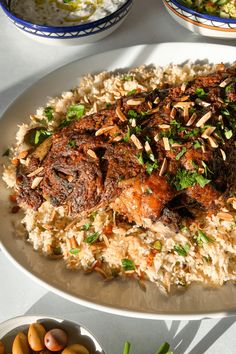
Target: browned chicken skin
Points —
{"points": [[143, 154]]}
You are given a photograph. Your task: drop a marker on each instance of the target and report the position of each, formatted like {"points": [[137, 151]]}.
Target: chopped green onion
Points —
{"points": [[75, 111], [182, 250], [132, 92], [202, 181], [164, 348], [126, 348], [127, 135], [92, 238], [151, 166], [48, 112], [74, 251], [157, 245], [132, 113], [181, 153], [140, 158], [86, 227], [202, 238], [200, 92]]}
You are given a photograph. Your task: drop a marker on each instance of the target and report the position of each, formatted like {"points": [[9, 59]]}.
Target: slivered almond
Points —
{"points": [[154, 110], [164, 126], [176, 145], [225, 216], [163, 167], [103, 130], [35, 172], [136, 142], [95, 107], [166, 143], [147, 147], [186, 113], [223, 154], [202, 145], [204, 119], [184, 86], [149, 105], [202, 103], [157, 100], [173, 113], [184, 98], [135, 102], [70, 178], [226, 82], [36, 182], [191, 120], [92, 154], [208, 132], [133, 123], [23, 154], [120, 114], [86, 99], [232, 201], [156, 137], [106, 241], [183, 104], [212, 142], [117, 138]]}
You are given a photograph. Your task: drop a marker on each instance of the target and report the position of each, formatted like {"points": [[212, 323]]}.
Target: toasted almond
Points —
{"points": [[232, 201], [136, 142], [212, 142], [204, 119], [135, 101], [164, 126], [106, 241], [163, 167], [156, 137], [184, 86], [95, 107], [133, 122], [227, 81], [186, 114], [154, 110], [176, 145], [192, 119], [225, 216], [157, 100], [166, 143], [70, 178], [208, 132], [147, 147], [15, 161], [201, 170], [92, 154], [120, 114], [223, 154], [103, 130], [173, 113], [35, 172], [149, 105], [184, 104], [36, 182], [184, 98], [117, 138], [23, 154], [202, 103]]}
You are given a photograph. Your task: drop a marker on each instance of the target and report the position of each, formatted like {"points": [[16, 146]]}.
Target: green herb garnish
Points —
{"points": [[182, 250], [202, 238], [140, 158], [228, 133], [132, 92], [151, 166], [75, 111], [127, 78], [41, 135], [200, 92], [181, 153], [126, 348], [185, 179], [148, 191], [157, 245], [128, 264], [201, 180], [127, 135], [48, 112], [197, 145], [92, 238], [164, 349], [86, 227], [132, 113], [71, 143], [74, 251]]}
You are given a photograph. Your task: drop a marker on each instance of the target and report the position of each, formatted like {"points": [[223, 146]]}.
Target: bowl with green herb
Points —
{"points": [[214, 18]]}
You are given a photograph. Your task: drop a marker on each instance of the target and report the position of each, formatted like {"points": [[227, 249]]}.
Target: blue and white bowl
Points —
{"points": [[68, 35], [203, 24]]}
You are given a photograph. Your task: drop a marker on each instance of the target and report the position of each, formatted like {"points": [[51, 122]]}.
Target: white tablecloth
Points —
{"points": [[22, 62]]}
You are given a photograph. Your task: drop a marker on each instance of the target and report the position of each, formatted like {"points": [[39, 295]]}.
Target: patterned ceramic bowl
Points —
{"points": [[67, 35], [199, 23]]}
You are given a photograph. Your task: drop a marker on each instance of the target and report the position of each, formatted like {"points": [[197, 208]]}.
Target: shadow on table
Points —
{"points": [[180, 337]]}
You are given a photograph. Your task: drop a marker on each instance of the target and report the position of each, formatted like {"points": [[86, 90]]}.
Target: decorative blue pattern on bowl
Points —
{"points": [[88, 29]]}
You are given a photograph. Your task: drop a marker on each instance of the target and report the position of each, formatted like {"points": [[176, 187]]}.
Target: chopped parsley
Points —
{"points": [[185, 179], [228, 133], [41, 135], [132, 92], [151, 166], [132, 113], [71, 143], [92, 238], [182, 250], [127, 135], [74, 251], [140, 158], [127, 264], [200, 92], [181, 153], [48, 112], [225, 112], [75, 111], [164, 349], [86, 227]]}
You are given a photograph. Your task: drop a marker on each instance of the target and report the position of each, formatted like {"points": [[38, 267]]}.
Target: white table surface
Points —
{"points": [[22, 62]]}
